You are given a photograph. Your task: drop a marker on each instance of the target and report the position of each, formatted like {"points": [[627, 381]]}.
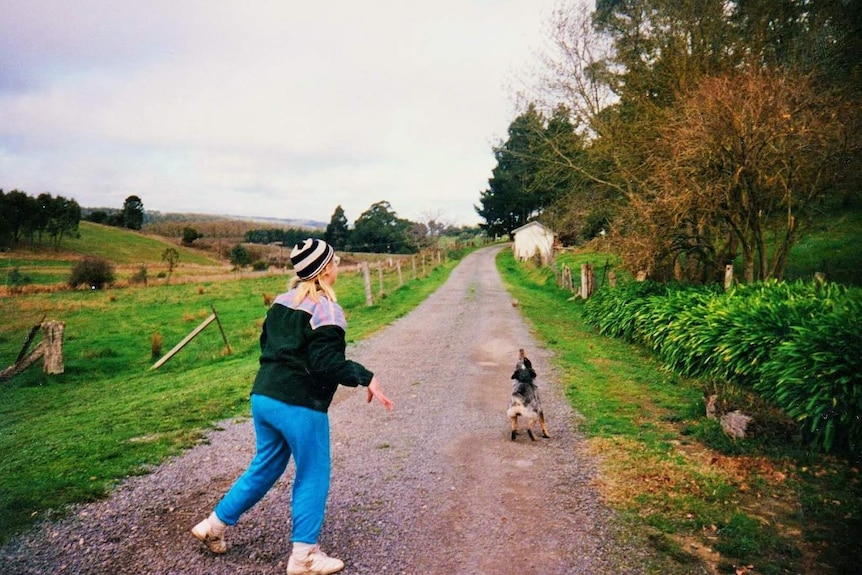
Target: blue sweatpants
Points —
{"points": [[283, 430]]}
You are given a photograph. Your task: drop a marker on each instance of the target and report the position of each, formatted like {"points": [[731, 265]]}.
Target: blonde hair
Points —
{"points": [[311, 288]]}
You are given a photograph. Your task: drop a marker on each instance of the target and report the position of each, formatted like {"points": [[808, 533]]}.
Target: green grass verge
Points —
{"points": [[671, 471]]}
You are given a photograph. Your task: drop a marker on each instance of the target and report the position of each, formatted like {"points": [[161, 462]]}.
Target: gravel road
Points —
{"points": [[435, 487]]}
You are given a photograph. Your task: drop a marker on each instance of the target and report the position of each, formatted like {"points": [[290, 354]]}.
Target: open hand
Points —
{"points": [[374, 390]]}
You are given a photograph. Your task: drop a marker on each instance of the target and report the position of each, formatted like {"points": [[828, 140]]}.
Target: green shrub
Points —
{"points": [[815, 375], [682, 330], [93, 271], [614, 311], [797, 344], [756, 319]]}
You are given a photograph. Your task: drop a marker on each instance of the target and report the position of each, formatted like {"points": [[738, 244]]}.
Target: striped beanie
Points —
{"points": [[309, 257]]}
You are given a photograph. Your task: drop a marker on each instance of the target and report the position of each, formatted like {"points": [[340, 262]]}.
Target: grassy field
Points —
{"points": [[71, 438], [127, 250], [831, 247]]}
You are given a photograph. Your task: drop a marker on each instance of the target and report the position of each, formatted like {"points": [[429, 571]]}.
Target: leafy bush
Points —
{"points": [[614, 311], [92, 271], [815, 376], [798, 345], [678, 326], [190, 235]]}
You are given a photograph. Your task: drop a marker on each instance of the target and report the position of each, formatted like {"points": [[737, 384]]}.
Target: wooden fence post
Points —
{"points": [[588, 281], [567, 278], [400, 277], [223, 336], [380, 278], [53, 358], [366, 275], [728, 276]]}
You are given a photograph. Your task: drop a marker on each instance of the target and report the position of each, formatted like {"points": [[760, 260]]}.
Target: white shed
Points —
{"points": [[533, 239]]}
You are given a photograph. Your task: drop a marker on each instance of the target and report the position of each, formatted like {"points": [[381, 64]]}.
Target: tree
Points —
{"points": [[20, 214], [133, 213], [746, 158], [337, 233], [511, 197], [429, 230], [97, 217], [534, 170], [631, 68], [5, 220], [172, 257], [190, 235], [380, 230], [25, 218], [239, 256], [62, 218]]}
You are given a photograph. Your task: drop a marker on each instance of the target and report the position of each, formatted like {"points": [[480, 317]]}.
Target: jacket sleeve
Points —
{"points": [[328, 362]]}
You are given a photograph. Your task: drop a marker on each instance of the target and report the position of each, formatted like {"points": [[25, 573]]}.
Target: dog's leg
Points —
{"points": [[545, 433], [514, 421], [530, 433]]}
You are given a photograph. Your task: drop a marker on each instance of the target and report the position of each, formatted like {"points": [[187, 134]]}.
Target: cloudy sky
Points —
{"points": [[278, 108]]}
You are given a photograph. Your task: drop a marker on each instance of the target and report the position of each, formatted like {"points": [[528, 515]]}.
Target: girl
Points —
{"points": [[302, 362]]}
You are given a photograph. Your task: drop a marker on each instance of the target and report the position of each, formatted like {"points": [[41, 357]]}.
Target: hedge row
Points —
{"points": [[798, 345]]}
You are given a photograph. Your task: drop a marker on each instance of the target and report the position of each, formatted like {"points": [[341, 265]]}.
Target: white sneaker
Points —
{"points": [[316, 562], [204, 533]]}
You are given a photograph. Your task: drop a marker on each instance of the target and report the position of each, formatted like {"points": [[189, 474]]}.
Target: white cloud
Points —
{"points": [[273, 108]]}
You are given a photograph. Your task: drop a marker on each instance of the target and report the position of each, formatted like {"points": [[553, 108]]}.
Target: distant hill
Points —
{"points": [[156, 217]]}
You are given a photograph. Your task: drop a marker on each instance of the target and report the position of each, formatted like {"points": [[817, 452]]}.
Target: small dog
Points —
{"points": [[525, 399]]}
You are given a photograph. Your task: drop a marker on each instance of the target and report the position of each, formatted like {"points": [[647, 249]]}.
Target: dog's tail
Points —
{"points": [[516, 408]]}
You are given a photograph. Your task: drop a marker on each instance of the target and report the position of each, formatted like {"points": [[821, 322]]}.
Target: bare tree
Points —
{"points": [[741, 164], [573, 69]]}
